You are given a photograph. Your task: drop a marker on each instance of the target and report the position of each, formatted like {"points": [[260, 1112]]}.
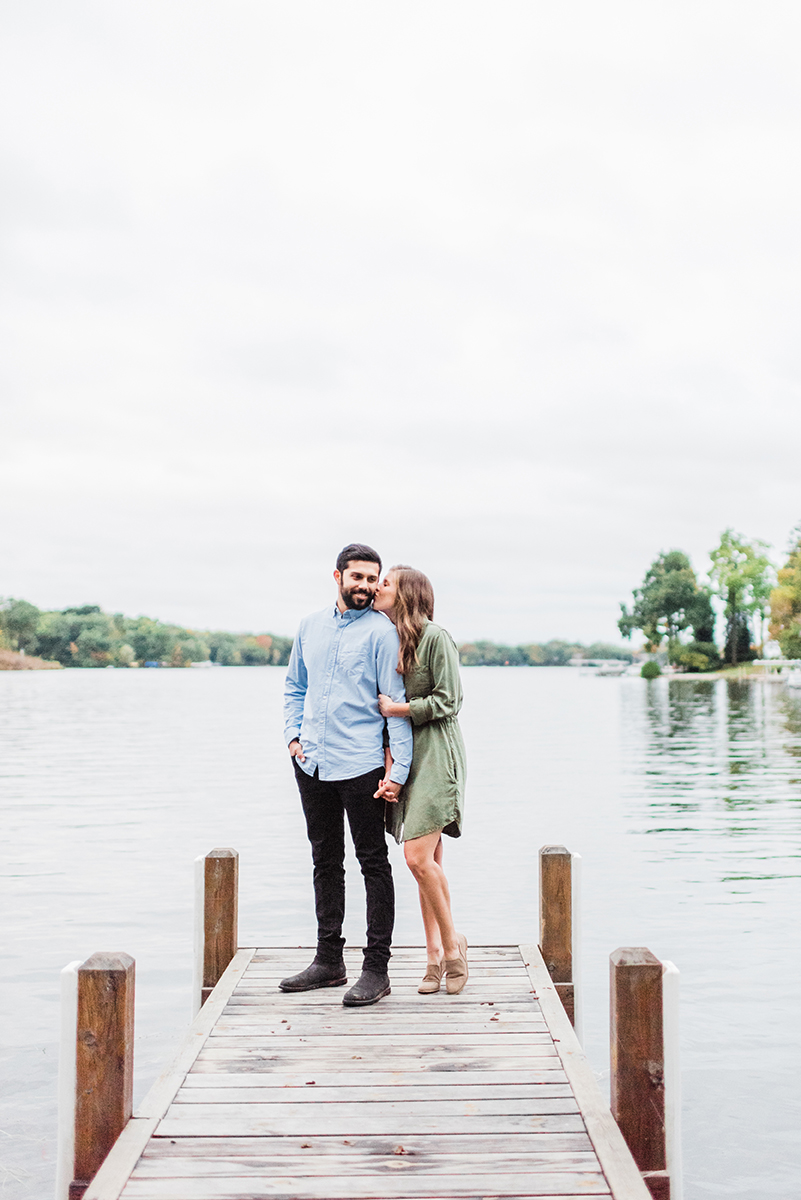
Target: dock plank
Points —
{"points": [[155, 1166], [311, 1093], [417, 1146], [372, 1079], [379, 1187]]}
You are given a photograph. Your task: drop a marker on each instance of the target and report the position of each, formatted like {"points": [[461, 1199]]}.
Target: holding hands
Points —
{"points": [[387, 790]]}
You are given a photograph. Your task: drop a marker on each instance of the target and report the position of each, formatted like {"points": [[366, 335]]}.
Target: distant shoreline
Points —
{"points": [[10, 660]]}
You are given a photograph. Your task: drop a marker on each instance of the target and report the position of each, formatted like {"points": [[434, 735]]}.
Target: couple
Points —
{"points": [[372, 693]]}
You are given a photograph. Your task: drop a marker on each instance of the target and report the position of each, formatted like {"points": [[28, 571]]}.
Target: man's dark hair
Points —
{"points": [[356, 552]]}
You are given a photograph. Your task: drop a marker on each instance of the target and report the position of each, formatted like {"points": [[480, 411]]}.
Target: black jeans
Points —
{"points": [[325, 804]]}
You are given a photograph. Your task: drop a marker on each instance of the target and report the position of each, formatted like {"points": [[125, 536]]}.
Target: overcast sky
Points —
{"points": [[509, 290]]}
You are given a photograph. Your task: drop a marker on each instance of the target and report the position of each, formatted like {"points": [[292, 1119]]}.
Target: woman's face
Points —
{"points": [[385, 596]]}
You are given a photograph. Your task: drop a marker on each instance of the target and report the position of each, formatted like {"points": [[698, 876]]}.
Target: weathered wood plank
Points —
{"points": [[421, 1146], [487, 971], [378, 1186], [550, 1071], [254, 1061], [229, 1032], [303, 1165], [436, 1059], [250, 1036], [616, 1162], [399, 999], [194, 1120], [226, 1101], [274, 1023], [315, 1093], [318, 1022], [502, 985], [354, 953], [398, 1005]]}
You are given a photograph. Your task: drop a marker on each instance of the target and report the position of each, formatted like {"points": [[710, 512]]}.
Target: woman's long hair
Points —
{"points": [[414, 601]]}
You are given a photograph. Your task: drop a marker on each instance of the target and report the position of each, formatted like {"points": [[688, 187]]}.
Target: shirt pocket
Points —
{"points": [[419, 682], [352, 660]]}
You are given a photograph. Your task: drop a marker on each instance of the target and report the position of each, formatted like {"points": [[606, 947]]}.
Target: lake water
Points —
{"points": [[684, 799]]}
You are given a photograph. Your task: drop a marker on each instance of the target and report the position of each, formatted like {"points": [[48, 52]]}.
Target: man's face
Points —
{"points": [[357, 584]]}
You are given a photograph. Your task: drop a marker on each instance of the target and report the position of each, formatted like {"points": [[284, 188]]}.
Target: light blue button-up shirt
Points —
{"points": [[340, 661]]}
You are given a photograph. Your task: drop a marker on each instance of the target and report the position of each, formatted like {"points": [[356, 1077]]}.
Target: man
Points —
{"points": [[341, 659]]}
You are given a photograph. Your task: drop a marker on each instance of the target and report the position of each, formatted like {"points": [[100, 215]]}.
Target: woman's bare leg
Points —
{"points": [[434, 950], [424, 859]]}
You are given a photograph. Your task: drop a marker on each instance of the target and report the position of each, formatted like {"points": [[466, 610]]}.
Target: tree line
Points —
{"points": [[674, 610], [89, 637], [548, 654]]}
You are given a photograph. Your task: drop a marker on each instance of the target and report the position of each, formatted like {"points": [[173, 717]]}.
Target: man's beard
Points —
{"points": [[358, 602]]}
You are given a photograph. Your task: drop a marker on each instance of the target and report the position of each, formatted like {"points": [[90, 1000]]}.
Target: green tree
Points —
{"points": [[223, 649], [558, 654], [254, 655], [743, 574], [18, 620], [280, 650], [785, 601], [193, 648], [666, 604], [94, 642], [151, 641], [606, 650]]}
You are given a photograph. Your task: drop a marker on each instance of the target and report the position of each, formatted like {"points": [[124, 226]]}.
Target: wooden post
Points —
{"points": [[559, 924], [638, 1062], [104, 1036], [216, 919]]}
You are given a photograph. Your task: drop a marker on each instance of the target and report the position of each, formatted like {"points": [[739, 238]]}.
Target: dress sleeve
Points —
{"points": [[391, 684], [446, 694]]}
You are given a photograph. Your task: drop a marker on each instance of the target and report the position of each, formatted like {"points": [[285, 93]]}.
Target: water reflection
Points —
{"points": [[720, 760]]}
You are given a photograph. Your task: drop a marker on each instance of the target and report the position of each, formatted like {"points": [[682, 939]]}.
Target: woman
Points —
{"points": [[431, 801]]}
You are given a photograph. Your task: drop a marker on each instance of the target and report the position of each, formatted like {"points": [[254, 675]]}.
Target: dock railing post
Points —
{"points": [[643, 1012], [95, 1066], [216, 920], [560, 873]]}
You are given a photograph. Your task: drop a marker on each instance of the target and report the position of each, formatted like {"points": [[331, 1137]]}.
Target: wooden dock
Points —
{"points": [[292, 1095]]}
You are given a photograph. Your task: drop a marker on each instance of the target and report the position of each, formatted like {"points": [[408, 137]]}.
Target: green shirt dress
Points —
{"points": [[433, 796]]}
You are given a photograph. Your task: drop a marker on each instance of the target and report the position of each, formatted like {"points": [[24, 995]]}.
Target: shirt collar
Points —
{"points": [[351, 614]]}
